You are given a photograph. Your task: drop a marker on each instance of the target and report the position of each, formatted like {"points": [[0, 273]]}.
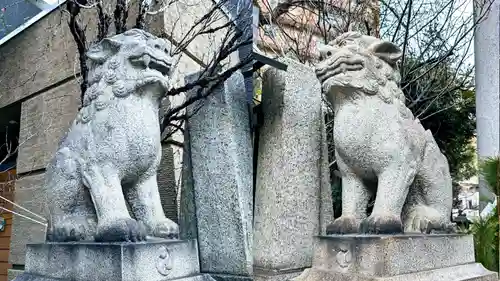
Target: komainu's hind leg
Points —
{"points": [[71, 212], [433, 183]]}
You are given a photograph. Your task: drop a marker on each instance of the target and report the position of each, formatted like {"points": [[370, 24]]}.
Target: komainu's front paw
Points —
{"points": [[125, 229], [343, 225], [427, 226], [381, 224], [165, 228]]}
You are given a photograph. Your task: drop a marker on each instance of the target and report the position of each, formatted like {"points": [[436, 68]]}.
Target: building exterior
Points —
{"points": [[303, 27], [40, 93], [469, 201]]}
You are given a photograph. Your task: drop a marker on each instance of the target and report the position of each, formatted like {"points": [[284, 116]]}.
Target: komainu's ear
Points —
{"points": [[102, 51], [387, 51]]}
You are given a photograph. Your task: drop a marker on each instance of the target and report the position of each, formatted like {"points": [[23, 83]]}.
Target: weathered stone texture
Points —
{"points": [[187, 214], [221, 159], [44, 120], [391, 255], [290, 170], [380, 143], [13, 273], [30, 194], [395, 258], [167, 185], [326, 215], [146, 261]]}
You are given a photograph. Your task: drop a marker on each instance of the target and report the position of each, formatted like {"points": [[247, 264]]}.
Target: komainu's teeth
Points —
{"points": [[146, 59]]}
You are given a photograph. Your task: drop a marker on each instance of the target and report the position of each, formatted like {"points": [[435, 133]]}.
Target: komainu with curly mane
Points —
{"points": [[106, 164], [381, 149]]}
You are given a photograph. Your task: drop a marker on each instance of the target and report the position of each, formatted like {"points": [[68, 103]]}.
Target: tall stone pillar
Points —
{"points": [[487, 66], [220, 180], [293, 196]]}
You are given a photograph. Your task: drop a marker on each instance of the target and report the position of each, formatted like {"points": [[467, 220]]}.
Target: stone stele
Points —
{"points": [[109, 158], [381, 149]]}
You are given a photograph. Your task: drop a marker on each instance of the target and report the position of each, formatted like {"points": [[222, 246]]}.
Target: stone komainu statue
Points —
{"points": [[381, 149], [108, 159]]}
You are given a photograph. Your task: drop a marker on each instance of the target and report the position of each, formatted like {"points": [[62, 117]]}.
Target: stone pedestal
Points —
{"points": [[395, 258], [143, 261]]}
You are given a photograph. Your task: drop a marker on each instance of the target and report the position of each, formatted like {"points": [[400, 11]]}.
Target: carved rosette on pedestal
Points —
{"points": [[155, 260], [164, 263], [446, 257]]}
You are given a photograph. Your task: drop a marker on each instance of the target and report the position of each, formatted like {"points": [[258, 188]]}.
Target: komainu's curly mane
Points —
{"points": [[381, 77], [381, 149], [102, 180], [120, 66]]}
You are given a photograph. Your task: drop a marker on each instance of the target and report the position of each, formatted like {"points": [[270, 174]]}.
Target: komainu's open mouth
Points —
{"points": [[153, 63], [340, 65]]}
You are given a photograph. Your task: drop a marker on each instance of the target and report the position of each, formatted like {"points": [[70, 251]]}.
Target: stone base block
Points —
{"points": [[230, 277], [155, 260], [13, 273], [395, 258], [276, 275], [30, 277], [467, 272]]}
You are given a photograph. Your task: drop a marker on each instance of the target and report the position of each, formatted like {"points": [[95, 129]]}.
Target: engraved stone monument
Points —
{"points": [[382, 150], [105, 165], [292, 195], [217, 195]]}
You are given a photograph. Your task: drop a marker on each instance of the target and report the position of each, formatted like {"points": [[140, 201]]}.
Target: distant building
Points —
{"points": [[469, 201], [298, 32]]}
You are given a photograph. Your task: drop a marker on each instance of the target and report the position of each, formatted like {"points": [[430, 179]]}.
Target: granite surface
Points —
{"points": [[109, 157], [154, 260], [380, 145], [230, 277], [390, 255], [188, 228], [31, 277], [467, 272], [276, 275], [289, 170], [395, 258], [221, 160]]}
